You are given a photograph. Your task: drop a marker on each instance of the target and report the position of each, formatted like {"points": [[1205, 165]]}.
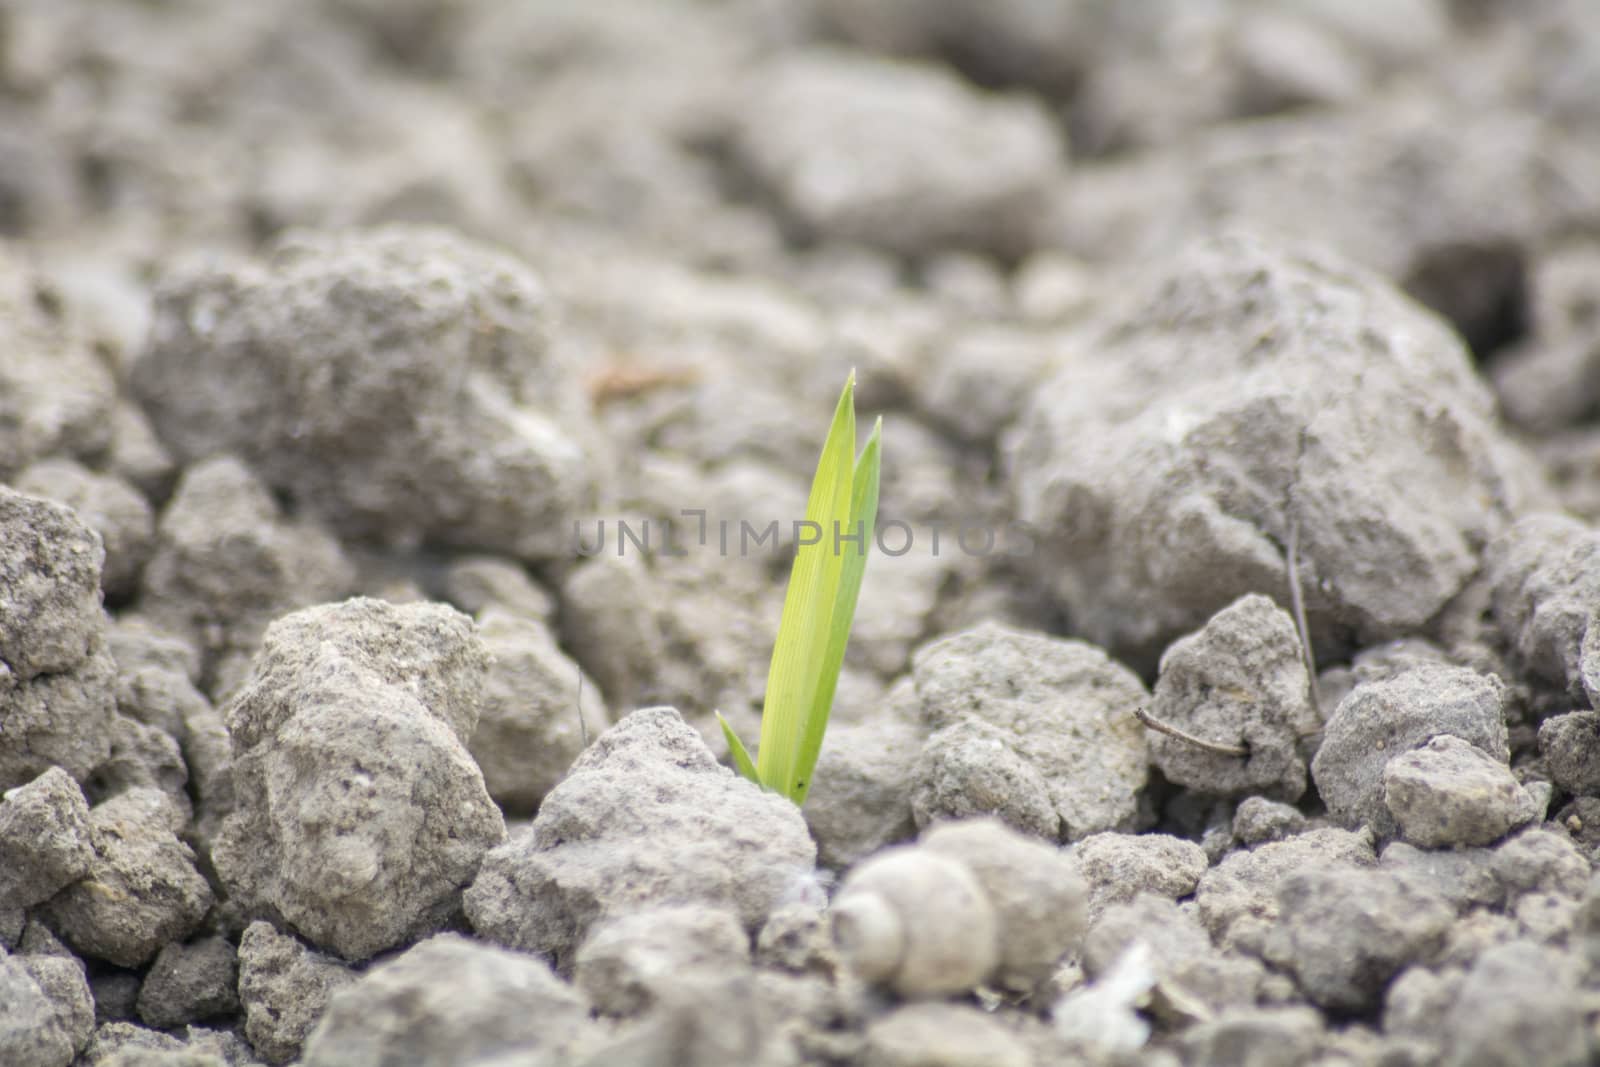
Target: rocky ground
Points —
{"points": [[323, 322]]}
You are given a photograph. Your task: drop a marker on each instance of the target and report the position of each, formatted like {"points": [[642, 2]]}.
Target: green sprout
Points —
{"points": [[817, 609]]}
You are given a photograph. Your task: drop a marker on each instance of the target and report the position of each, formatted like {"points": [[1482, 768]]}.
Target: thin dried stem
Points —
{"points": [[583, 727], [1297, 602], [1237, 751]]}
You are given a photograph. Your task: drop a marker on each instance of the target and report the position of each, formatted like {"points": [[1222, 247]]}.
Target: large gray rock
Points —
{"points": [[1236, 387], [359, 812], [1064, 706], [398, 383], [645, 816], [447, 1001], [45, 840], [902, 157], [1383, 719], [284, 989], [142, 889], [1241, 680], [56, 675], [227, 562]]}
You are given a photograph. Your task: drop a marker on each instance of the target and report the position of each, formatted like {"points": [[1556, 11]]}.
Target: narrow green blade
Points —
{"points": [[741, 758], [863, 516], [807, 606]]}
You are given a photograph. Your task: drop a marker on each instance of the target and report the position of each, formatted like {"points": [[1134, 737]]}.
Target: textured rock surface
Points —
{"points": [[1181, 955], [1570, 745], [627, 964], [191, 983], [32, 1030], [1121, 866], [1450, 794], [1261, 1037], [1063, 706], [1258, 819], [283, 988], [359, 813], [45, 840], [1238, 898], [447, 1000], [1382, 719], [1520, 1002], [300, 364], [1234, 389], [1345, 931], [110, 506], [529, 727], [253, 332], [227, 563], [1545, 572], [56, 676], [1241, 680], [970, 768], [142, 889], [861, 797], [645, 816]]}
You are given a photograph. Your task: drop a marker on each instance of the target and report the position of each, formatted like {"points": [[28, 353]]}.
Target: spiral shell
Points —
{"points": [[917, 923]]}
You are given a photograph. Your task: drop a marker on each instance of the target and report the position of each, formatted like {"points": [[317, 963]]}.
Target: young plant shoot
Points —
{"points": [[818, 608]]}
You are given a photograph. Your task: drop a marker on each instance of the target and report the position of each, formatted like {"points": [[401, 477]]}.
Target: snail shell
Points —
{"points": [[917, 923]]}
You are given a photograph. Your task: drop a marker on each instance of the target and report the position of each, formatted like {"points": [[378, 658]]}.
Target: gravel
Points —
{"points": [[325, 327]]}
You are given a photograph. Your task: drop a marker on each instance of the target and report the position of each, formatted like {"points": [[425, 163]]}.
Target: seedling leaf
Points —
{"points": [[797, 655], [741, 758], [863, 521], [818, 609]]}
